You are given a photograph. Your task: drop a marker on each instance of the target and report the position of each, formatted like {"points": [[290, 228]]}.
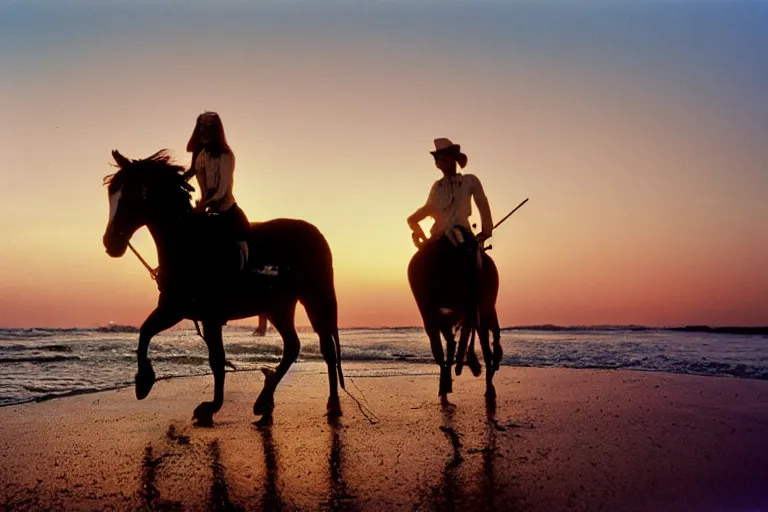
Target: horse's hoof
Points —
{"points": [[264, 421], [333, 407], [497, 355], [446, 382], [203, 414], [474, 364], [145, 379], [459, 368], [263, 406]]}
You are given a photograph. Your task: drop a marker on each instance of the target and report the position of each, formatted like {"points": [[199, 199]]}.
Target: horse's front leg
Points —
{"points": [[434, 327], [431, 318], [158, 320], [212, 335], [450, 349], [485, 344], [283, 321], [465, 331]]}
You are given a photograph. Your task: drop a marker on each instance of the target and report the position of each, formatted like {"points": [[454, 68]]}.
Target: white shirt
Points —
{"points": [[450, 204], [216, 177]]}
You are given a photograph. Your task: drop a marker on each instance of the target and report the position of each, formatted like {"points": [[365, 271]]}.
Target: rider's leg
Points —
{"points": [[241, 228]]}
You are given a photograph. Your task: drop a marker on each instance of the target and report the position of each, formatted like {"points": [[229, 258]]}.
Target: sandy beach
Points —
{"points": [[559, 440]]}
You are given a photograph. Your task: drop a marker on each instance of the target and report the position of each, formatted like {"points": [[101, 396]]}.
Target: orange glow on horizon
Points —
{"points": [[646, 179]]}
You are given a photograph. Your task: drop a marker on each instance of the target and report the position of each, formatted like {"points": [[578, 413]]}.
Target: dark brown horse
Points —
{"points": [[290, 261], [441, 293]]}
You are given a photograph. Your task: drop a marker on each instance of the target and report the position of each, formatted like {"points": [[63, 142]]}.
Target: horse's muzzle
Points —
{"points": [[115, 243]]}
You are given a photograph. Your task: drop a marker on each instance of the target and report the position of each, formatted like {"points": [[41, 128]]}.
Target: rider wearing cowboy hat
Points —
{"points": [[449, 200]]}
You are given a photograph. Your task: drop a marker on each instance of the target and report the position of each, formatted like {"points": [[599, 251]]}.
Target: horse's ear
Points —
{"points": [[120, 159]]}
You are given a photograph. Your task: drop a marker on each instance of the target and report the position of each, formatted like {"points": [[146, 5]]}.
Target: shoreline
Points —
{"points": [[298, 363], [747, 330], [559, 439]]}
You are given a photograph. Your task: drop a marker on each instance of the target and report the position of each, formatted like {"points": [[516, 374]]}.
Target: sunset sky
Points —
{"points": [[638, 129]]}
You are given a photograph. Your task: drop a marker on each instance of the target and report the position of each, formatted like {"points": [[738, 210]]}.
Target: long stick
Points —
{"points": [[152, 273], [510, 213]]}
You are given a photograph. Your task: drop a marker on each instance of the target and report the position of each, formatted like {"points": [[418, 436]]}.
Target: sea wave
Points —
{"points": [[37, 363]]}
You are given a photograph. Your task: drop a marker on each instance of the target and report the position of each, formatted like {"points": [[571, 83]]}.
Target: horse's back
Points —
{"points": [[289, 240]]}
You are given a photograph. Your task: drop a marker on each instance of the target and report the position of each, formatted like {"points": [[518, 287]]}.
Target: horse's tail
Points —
{"points": [[338, 356]]}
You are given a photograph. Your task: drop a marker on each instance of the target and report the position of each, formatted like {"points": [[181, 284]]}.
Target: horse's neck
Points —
{"points": [[172, 237]]}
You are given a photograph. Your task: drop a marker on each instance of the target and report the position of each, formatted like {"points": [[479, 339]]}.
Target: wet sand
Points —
{"points": [[558, 440]]}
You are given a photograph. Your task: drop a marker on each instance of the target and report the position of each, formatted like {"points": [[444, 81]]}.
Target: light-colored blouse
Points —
{"points": [[450, 204], [216, 177]]}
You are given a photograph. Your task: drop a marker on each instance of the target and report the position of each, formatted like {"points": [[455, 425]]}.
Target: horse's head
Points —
{"points": [[142, 192]]}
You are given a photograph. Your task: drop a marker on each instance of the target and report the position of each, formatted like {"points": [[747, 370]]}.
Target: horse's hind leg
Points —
{"points": [[328, 349], [283, 321], [450, 345], [472, 361], [468, 351], [494, 326], [323, 320], [432, 327], [157, 321], [212, 336], [482, 333]]}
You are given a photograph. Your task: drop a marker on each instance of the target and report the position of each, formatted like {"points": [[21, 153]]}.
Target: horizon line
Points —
{"points": [[679, 327]]}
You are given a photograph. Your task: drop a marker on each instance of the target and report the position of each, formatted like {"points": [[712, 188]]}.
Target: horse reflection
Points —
{"points": [[489, 455], [271, 498], [446, 495], [339, 498]]}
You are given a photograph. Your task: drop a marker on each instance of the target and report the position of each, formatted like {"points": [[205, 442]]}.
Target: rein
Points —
{"points": [[153, 275], [152, 272]]}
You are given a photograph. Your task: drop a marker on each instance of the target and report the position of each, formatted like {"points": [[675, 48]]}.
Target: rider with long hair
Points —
{"points": [[213, 163]]}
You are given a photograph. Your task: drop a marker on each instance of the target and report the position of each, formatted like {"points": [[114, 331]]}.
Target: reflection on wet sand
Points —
{"points": [[489, 455], [454, 489], [148, 490], [271, 497], [179, 446], [219, 499], [446, 495], [456, 493], [340, 499], [149, 494]]}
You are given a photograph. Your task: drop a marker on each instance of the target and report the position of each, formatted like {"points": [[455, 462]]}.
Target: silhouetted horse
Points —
{"points": [[290, 261], [441, 293]]}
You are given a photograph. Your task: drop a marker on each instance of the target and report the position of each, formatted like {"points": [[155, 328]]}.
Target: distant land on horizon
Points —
{"points": [[747, 330]]}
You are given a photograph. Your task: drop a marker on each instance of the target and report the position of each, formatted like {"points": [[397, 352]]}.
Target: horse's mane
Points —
{"points": [[158, 167]]}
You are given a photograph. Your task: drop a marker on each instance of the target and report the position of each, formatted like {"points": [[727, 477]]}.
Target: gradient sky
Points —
{"points": [[639, 130]]}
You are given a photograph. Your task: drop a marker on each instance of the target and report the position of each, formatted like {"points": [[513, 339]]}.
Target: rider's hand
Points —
{"points": [[199, 207], [483, 236], [418, 240]]}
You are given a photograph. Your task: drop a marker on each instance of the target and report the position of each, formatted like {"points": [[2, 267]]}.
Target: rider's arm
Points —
{"points": [[486, 220], [417, 216], [422, 213], [226, 178]]}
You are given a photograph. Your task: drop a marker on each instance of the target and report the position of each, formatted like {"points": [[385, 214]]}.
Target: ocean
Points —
{"points": [[38, 364]]}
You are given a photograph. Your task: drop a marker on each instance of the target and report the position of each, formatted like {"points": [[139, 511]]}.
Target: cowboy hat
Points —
{"points": [[443, 144]]}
